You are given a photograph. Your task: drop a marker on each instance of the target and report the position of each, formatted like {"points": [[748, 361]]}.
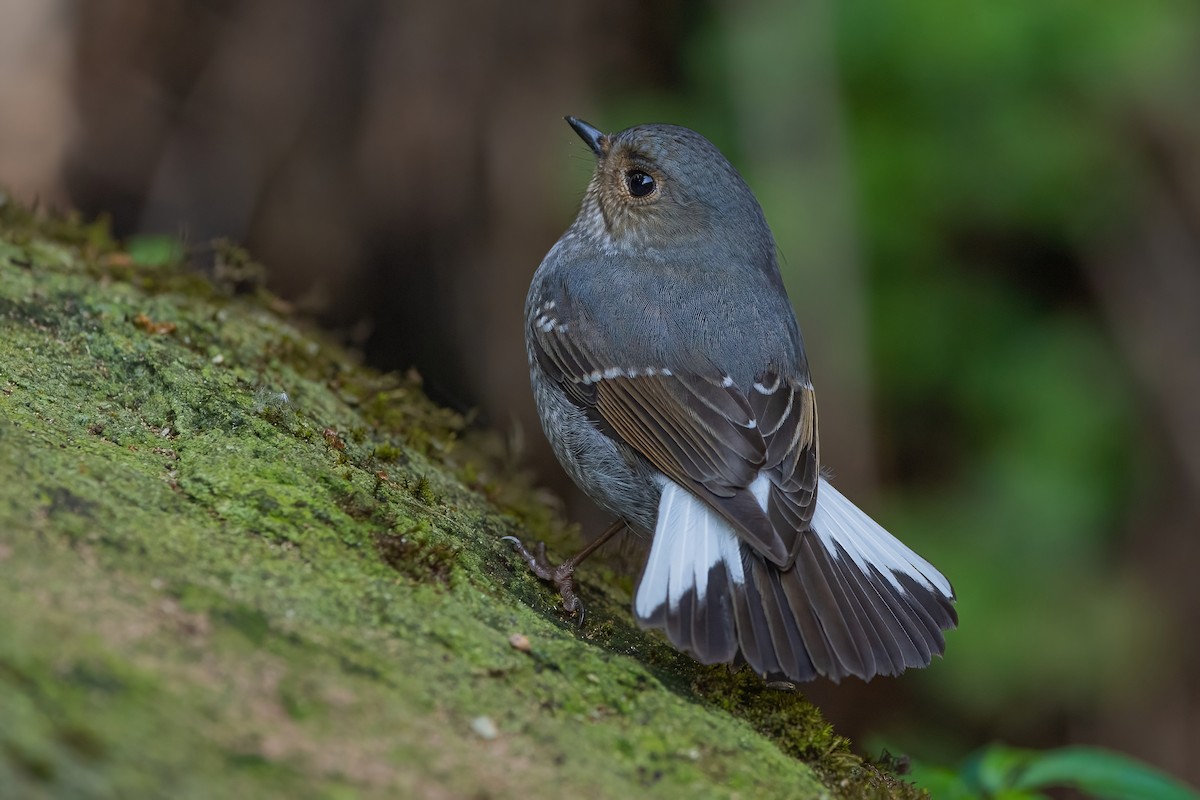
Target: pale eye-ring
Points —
{"points": [[640, 183]]}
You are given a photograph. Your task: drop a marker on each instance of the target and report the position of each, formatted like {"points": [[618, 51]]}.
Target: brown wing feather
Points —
{"points": [[786, 410], [705, 433]]}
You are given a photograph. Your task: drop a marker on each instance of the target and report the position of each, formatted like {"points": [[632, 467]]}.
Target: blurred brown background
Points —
{"points": [[990, 224]]}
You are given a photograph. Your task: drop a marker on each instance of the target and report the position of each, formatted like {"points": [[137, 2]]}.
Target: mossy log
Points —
{"points": [[236, 563]]}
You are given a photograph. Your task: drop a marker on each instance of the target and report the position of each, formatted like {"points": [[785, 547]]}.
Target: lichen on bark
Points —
{"points": [[235, 562]]}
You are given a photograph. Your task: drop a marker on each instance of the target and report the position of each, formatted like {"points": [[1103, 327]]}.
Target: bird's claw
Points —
{"points": [[562, 576]]}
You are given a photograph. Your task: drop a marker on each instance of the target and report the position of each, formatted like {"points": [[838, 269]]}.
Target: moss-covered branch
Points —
{"points": [[235, 563]]}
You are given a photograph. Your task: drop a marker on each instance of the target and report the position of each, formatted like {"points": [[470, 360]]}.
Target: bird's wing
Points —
{"points": [[701, 430]]}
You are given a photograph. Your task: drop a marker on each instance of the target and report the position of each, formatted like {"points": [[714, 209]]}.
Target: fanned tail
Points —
{"points": [[855, 601]]}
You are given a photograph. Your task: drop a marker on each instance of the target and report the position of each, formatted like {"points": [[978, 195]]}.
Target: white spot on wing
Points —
{"points": [[760, 487], [774, 387], [609, 373]]}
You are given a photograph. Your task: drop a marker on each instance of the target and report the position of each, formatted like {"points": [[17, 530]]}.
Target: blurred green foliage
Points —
{"points": [[987, 151], [991, 148], [1007, 773], [152, 250]]}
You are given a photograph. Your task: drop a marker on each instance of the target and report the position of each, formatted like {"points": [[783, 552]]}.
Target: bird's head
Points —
{"points": [[663, 187]]}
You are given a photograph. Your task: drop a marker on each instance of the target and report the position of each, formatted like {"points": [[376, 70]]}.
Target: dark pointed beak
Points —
{"points": [[592, 136]]}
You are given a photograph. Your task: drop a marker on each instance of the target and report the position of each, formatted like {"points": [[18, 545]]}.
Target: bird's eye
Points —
{"points": [[640, 184]]}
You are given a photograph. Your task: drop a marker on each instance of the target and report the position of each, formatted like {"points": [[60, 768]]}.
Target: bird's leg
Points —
{"points": [[563, 576]]}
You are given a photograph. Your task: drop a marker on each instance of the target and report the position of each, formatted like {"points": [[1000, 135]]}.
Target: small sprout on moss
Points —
{"points": [[150, 326], [520, 641], [423, 491]]}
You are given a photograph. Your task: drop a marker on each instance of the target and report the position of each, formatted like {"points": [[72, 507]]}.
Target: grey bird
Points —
{"points": [[671, 381]]}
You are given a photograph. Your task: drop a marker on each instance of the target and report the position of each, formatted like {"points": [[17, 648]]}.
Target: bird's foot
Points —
{"points": [[562, 576]]}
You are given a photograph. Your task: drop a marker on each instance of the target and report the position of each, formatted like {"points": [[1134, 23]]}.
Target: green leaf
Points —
{"points": [[941, 783], [1102, 773], [995, 767], [999, 772]]}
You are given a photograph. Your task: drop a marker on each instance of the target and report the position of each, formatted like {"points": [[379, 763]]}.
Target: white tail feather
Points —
{"points": [[838, 520], [689, 539]]}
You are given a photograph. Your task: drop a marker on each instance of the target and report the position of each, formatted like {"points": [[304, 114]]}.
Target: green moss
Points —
{"points": [[236, 563]]}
